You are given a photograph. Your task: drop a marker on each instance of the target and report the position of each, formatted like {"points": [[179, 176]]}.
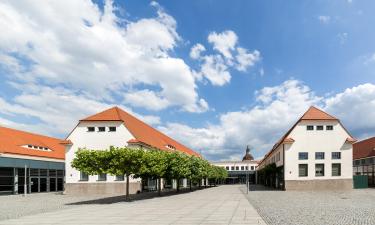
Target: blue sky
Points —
{"points": [[257, 67]]}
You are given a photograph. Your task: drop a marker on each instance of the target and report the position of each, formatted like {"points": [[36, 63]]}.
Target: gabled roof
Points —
{"points": [[11, 142], [142, 132], [313, 113], [364, 148]]}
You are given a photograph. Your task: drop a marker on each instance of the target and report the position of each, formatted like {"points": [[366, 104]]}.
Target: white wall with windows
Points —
{"points": [[237, 165], [319, 151], [98, 136]]}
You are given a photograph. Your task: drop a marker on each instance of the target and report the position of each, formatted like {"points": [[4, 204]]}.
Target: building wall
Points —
{"points": [[81, 138], [318, 141], [250, 164]]}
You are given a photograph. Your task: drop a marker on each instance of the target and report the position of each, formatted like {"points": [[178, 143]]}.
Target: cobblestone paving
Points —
{"points": [[314, 208], [215, 206]]}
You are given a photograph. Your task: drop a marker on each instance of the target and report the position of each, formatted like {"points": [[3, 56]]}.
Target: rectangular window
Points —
{"points": [[242, 168], [90, 129], [303, 170], [246, 168], [112, 129], [319, 127], [336, 169], [319, 170], [319, 155], [102, 177], [357, 162], [101, 129], [303, 155], [119, 177], [252, 167], [237, 168], [227, 167], [232, 167], [363, 161], [84, 177], [329, 127], [310, 127], [336, 155]]}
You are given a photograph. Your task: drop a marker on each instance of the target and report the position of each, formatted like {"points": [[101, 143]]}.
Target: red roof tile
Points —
{"points": [[140, 130], [364, 149], [11, 142]]}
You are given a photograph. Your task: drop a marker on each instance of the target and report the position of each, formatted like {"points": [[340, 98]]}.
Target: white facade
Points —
{"points": [[237, 165], [82, 138]]}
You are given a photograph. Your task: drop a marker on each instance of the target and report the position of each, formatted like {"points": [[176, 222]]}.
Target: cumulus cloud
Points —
{"points": [[76, 45], [215, 67], [277, 108]]}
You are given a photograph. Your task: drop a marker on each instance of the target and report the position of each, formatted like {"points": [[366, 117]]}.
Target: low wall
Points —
{"points": [[101, 188], [319, 185]]}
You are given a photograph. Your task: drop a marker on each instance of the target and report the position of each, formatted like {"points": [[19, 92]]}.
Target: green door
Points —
{"points": [[360, 181]]}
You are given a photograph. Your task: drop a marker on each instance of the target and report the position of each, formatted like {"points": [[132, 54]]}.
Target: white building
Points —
{"points": [[240, 171], [316, 153], [112, 127]]}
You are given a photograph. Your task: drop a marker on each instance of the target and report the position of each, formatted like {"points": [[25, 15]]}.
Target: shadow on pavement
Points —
{"points": [[135, 197]]}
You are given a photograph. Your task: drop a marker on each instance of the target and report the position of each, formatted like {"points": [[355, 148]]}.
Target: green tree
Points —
{"points": [[91, 161], [177, 167]]}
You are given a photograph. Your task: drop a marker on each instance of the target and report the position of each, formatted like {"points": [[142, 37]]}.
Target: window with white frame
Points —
{"points": [[320, 127], [119, 177], [336, 169], [319, 170], [329, 127], [303, 170], [101, 129], [319, 155], [84, 176], [112, 129], [102, 177], [90, 129], [303, 155], [309, 127], [336, 155]]}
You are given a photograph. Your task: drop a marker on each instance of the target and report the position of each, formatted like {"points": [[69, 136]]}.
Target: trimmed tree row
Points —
{"points": [[145, 164]]}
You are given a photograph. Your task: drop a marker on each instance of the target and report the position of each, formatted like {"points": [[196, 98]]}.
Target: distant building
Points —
{"points": [[240, 171], [115, 127], [364, 159], [316, 153], [34, 158]]}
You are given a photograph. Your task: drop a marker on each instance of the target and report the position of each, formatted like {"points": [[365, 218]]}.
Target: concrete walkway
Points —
{"points": [[219, 205]]}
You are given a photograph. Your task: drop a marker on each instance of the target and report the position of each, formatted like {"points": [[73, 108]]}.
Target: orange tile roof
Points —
{"points": [[312, 113], [11, 142], [364, 148], [140, 130]]}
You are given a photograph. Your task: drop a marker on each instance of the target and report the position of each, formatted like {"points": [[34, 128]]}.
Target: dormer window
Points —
{"points": [[29, 146], [34, 147], [112, 129], [101, 129], [171, 147], [90, 129]]}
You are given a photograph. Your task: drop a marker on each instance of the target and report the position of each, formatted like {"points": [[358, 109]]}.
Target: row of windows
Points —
{"points": [[319, 127], [318, 155], [101, 129], [238, 168], [368, 161], [303, 170], [101, 177], [38, 147]]}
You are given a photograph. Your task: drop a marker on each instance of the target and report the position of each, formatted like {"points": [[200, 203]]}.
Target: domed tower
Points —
{"points": [[248, 156]]}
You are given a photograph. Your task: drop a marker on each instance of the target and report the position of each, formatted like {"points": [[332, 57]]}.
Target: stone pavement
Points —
{"points": [[219, 205]]}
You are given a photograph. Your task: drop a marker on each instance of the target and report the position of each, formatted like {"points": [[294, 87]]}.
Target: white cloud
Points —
{"points": [[343, 37], [196, 50], [215, 67], [146, 98], [277, 108], [324, 19], [74, 44], [369, 59], [223, 42]]}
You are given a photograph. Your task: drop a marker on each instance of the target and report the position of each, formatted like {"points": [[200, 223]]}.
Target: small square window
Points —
{"points": [[84, 176], [303, 155], [329, 127], [319, 127], [112, 129], [101, 129], [242, 168], [232, 168], [310, 127], [102, 177], [119, 177], [227, 168], [336, 155], [237, 168], [29, 146], [90, 129], [319, 155], [246, 168], [41, 148]]}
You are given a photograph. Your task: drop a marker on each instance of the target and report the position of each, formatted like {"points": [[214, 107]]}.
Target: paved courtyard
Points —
{"points": [[219, 205], [314, 208]]}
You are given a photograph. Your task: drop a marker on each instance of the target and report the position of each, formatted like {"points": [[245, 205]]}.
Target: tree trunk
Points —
{"points": [[190, 184], [178, 185], [127, 187], [159, 187]]}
